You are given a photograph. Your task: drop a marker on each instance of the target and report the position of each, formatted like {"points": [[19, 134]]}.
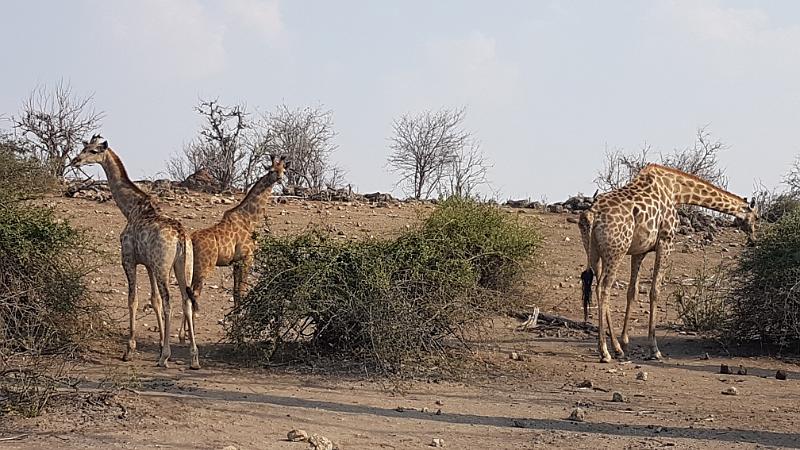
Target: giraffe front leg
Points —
{"points": [[130, 273], [605, 283], [662, 253], [241, 269], [633, 290]]}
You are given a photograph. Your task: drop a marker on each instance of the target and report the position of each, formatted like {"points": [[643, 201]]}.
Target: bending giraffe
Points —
{"points": [[635, 220], [159, 243], [230, 241]]}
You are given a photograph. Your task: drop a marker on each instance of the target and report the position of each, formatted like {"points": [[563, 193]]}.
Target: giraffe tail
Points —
{"points": [[586, 223], [186, 252]]}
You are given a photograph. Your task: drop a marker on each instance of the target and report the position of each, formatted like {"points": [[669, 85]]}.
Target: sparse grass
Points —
{"points": [[703, 300], [386, 305]]}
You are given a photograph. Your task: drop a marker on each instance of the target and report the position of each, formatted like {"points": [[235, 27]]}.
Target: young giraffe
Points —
{"points": [[635, 220], [230, 241], [150, 239]]}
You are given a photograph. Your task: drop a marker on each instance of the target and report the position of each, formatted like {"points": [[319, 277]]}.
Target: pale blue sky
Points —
{"points": [[547, 84]]}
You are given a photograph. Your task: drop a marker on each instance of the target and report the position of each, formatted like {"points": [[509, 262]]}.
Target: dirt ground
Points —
{"points": [[505, 403]]}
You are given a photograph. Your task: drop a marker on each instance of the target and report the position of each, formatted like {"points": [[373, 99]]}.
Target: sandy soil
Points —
{"points": [[503, 403]]}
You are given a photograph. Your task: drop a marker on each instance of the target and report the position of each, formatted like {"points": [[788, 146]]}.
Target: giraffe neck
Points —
{"points": [[691, 190], [254, 205], [129, 198]]}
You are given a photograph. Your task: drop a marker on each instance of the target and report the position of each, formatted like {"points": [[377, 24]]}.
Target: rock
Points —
{"points": [[586, 384], [572, 219], [742, 370], [437, 442], [781, 375], [297, 436], [230, 447], [555, 208], [730, 391], [567, 239], [617, 397], [641, 376], [724, 369], [516, 356], [577, 415], [318, 442]]}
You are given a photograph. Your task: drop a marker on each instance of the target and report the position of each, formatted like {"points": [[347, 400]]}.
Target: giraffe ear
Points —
{"points": [[272, 158], [104, 145], [752, 203]]}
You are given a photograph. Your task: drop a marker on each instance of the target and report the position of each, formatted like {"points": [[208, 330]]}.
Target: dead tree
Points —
{"points": [[305, 135], [702, 160], [220, 148], [467, 171], [425, 147], [52, 124]]}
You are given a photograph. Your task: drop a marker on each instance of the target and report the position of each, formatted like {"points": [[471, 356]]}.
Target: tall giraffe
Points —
{"points": [[635, 220], [150, 239], [230, 241]]}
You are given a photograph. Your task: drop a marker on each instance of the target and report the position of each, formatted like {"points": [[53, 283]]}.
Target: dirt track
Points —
{"points": [[503, 404]]}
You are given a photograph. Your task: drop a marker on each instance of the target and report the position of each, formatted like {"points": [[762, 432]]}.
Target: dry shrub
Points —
{"points": [[703, 300], [385, 305], [44, 309]]}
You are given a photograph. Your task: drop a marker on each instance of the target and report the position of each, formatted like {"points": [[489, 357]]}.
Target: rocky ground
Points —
{"points": [[502, 402]]}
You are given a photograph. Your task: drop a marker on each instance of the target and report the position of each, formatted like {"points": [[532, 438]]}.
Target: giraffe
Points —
{"points": [[150, 239], [230, 241], [635, 220]]}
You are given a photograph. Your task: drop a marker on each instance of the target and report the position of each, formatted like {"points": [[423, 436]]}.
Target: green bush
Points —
{"points": [[383, 305], [44, 309], [766, 301]]}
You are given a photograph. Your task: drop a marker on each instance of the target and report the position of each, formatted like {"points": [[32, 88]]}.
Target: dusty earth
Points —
{"points": [[502, 403]]}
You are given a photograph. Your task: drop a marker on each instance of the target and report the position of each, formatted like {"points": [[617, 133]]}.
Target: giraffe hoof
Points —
{"points": [[163, 364], [127, 356], [195, 366], [605, 359], [620, 355], [655, 356]]}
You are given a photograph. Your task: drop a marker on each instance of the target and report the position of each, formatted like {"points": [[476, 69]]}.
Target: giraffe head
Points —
{"points": [[275, 170], [749, 215], [94, 152]]}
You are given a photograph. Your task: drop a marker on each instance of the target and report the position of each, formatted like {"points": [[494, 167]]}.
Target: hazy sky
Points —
{"points": [[548, 85]]}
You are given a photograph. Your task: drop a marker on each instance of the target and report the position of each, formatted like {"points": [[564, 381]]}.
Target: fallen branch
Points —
{"points": [[555, 321]]}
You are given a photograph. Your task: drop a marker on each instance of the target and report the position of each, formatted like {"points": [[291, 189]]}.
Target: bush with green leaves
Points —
{"points": [[44, 303], [766, 300], [385, 305]]}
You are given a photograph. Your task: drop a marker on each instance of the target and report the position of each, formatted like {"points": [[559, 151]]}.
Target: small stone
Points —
{"points": [[318, 442], [641, 376], [586, 384], [437, 442], [516, 356], [230, 447], [439, 412], [730, 391], [617, 397], [742, 370], [439, 403], [781, 375], [425, 409], [567, 239], [297, 436], [724, 369], [577, 415]]}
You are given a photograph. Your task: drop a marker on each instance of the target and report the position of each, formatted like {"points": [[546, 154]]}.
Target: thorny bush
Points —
{"points": [[390, 305]]}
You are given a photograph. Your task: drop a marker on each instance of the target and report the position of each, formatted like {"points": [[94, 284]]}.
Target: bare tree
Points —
{"points": [[702, 160], [425, 147], [52, 124], [467, 171], [221, 147], [305, 135], [792, 178], [619, 168]]}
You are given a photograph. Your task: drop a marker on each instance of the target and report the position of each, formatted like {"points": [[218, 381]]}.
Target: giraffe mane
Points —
{"points": [[675, 171]]}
